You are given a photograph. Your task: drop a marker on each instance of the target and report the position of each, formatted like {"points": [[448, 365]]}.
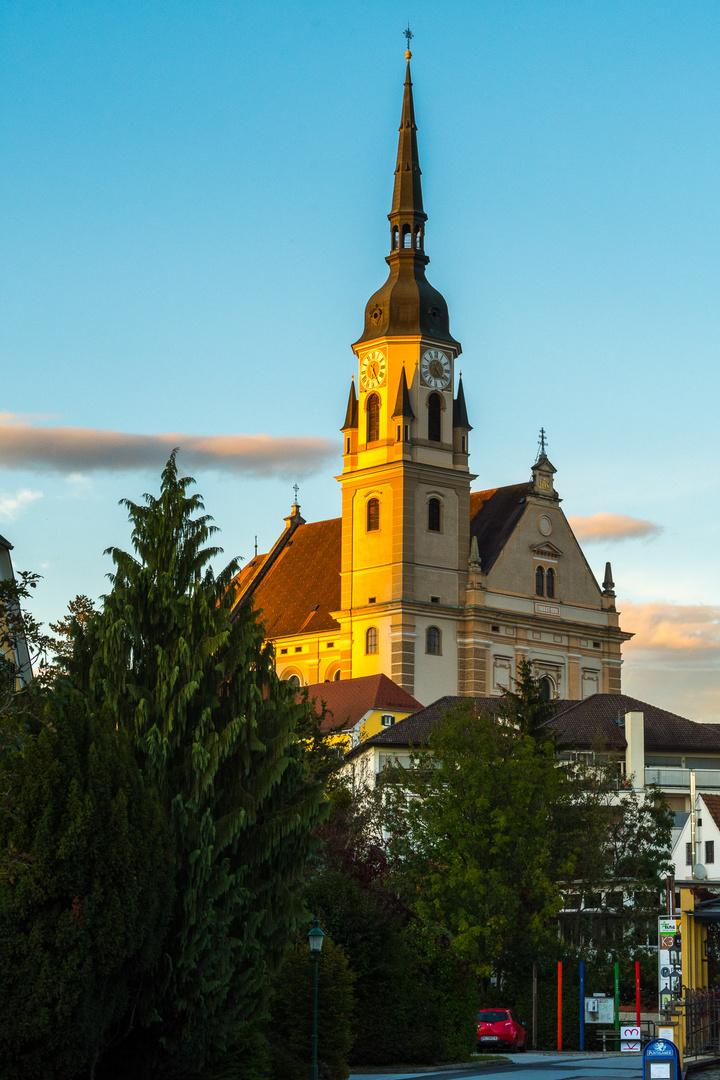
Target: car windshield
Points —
{"points": [[491, 1017]]}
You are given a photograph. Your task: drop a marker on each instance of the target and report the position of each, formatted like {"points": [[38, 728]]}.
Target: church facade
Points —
{"points": [[441, 588]]}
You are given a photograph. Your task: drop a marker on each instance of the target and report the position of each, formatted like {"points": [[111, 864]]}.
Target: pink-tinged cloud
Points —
{"points": [[81, 450], [611, 528], [673, 628]]}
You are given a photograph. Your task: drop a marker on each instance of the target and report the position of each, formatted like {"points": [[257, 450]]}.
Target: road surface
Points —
{"points": [[548, 1066]]}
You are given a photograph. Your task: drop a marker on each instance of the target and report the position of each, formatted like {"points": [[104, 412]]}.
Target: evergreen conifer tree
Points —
{"points": [[215, 732]]}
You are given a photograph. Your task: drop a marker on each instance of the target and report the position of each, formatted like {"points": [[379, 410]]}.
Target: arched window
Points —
{"points": [[432, 641], [539, 581], [434, 515], [546, 688], [550, 582], [395, 238], [373, 515], [294, 680], [434, 420], [336, 676], [418, 240], [371, 640], [406, 236], [373, 418]]}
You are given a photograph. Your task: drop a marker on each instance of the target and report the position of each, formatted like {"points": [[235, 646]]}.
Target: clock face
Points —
{"points": [[372, 370], [435, 369]]}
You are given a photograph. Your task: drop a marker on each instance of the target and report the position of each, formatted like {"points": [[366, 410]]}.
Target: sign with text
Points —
{"points": [[669, 956], [599, 1010]]}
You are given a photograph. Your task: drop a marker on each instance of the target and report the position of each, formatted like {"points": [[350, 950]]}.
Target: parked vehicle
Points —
{"points": [[500, 1027]]}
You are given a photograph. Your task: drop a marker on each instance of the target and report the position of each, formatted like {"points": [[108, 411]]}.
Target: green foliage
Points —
{"points": [[291, 1015], [526, 707], [72, 625], [83, 911], [476, 834], [415, 1001], [193, 684]]}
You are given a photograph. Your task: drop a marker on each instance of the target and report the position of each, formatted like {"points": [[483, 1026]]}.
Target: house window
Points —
{"points": [[395, 238], [387, 720], [709, 851], [373, 418], [406, 236], [373, 515], [539, 581], [294, 680], [432, 641], [688, 854], [336, 676], [371, 640], [434, 418], [546, 689], [550, 582], [434, 515]]}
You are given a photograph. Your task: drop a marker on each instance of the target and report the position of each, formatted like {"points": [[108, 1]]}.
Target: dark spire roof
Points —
{"points": [[402, 401], [407, 192], [460, 416], [407, 303], [351, 413]]}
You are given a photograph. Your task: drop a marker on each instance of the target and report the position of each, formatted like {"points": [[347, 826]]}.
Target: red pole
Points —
{"points": [[637, 992], [559, 1007]]}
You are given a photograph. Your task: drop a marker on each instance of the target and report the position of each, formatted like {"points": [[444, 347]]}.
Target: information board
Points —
{"points": [[669, 962]]}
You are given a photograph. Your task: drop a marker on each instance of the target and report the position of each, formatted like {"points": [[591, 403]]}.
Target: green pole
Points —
{"points": [[314, 1042], [617, 996]]}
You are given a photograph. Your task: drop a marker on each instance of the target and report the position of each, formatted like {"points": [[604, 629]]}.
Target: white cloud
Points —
{"points": [[673, 627], [12, 505], [610, 528]]}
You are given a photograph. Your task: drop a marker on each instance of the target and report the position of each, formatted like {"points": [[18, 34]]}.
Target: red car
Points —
{"points": [[500, 1027]]}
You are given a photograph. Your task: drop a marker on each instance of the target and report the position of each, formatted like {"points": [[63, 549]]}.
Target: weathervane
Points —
{"points": [[296, 489], [542, 443], [409, 35]]}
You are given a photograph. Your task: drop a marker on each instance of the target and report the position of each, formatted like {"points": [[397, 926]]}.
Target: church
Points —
{"points": [[442, 588]]}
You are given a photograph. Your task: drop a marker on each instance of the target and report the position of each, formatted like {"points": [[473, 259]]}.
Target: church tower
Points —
{"points": [[405, 479]]}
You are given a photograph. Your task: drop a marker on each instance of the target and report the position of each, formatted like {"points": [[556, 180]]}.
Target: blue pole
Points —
{"points": [[582, 1005]]}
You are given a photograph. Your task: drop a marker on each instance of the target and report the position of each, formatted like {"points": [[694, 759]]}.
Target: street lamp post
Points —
{"points": [[315, 937]]}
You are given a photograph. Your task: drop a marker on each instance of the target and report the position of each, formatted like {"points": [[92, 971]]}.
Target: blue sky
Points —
{"points": [[193, 204]]}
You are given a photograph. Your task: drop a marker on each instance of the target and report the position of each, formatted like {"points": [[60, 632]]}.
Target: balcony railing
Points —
{"points": [[680, 778]]}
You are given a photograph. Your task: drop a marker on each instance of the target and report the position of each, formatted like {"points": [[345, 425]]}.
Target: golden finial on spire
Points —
{"points": [[408, 34]]}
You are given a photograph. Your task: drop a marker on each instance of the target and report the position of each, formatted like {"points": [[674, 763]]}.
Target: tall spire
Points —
{"points": [[407, 303], [407, 201]]}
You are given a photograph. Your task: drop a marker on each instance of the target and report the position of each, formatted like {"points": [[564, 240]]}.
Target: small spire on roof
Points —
{"points": [[608, 583], [475, 563]]}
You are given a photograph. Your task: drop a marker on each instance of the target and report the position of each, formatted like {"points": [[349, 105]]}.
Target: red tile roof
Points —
{"points": [[348, 700], [302, 585], [297, 584], [713, 804]]}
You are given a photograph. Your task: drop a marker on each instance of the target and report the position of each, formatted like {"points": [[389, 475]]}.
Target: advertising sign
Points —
{"points": [[669, 956]]}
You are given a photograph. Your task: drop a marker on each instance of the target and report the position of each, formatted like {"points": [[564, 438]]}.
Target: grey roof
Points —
{"points": [[577, 724]]}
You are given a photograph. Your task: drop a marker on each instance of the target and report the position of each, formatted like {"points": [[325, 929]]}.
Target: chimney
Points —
{"points": [[635, 750]]}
